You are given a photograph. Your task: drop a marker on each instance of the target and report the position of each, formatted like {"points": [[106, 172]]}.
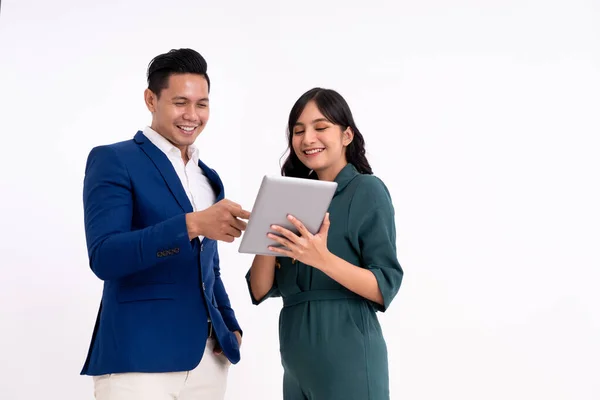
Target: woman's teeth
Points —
{"points": [[314, 151]]}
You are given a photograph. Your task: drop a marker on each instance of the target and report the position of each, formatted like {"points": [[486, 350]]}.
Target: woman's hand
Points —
{"points": [[307, 248]]}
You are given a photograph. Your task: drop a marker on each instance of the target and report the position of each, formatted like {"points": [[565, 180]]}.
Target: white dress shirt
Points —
{"points": [[195, 183]]}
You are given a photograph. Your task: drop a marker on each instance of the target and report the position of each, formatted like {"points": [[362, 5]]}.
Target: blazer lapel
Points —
{"points": [[165, 168], [214, 179]]}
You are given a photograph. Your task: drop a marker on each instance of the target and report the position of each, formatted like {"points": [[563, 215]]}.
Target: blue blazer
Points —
{"points": [[159, 287]]}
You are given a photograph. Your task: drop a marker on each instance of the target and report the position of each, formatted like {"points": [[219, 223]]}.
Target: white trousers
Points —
{"points": [[207, 381]]}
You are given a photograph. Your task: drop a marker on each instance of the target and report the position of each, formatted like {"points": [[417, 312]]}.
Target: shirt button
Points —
{"points": [[203, 286]]}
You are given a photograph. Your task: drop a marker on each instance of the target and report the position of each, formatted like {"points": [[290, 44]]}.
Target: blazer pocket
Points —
{"points": [[146, 292]]}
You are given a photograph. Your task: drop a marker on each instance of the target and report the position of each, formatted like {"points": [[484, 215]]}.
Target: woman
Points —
{"points": [[334, 281]]}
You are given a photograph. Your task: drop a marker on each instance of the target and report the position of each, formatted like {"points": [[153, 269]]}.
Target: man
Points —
{"points": [[153, 215]]}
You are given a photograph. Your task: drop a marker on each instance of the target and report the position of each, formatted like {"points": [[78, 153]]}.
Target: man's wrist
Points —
{"points": [[192, 225]]}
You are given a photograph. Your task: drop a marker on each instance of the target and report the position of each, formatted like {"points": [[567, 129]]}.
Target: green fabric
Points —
{"points": [[331, 342]]}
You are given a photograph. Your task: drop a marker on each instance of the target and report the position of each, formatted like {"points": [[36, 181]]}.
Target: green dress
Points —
{"points": [[331, 342]]}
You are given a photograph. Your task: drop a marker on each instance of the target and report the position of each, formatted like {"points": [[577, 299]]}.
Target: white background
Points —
{"points": [[480, 116]]}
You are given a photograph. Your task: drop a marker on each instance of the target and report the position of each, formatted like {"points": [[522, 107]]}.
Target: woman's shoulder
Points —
{"points": [[368, 192], [370, 197], [369, 185]]}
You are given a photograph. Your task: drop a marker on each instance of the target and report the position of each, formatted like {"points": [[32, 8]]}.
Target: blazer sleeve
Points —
{"points": [[372, 231], [114, 249], [223, 303]]}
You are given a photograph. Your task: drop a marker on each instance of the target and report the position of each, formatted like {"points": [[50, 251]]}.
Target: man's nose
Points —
{"points": [[190, 113]]}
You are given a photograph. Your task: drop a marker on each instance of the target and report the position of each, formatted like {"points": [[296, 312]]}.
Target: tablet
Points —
{"points": [[306, 199]]}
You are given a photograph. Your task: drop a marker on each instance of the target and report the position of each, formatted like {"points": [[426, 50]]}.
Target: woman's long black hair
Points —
{"points": [[333, 106]]}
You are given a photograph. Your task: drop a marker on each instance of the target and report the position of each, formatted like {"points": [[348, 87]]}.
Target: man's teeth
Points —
{"points": [[313, 151], [187, 128]]}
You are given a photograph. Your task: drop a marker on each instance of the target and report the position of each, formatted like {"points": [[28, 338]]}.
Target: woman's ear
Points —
{"points": [[348, 136]]}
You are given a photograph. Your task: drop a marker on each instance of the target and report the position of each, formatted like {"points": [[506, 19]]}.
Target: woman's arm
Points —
{"points": [[312, 250], [359, 280], [262, 275]]}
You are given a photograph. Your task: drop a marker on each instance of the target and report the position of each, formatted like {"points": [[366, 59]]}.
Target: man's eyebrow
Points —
{"points": [[185, 98]]}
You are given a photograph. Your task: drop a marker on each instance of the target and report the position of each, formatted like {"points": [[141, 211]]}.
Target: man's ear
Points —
{"points": [[348, 136], [150, 100]]}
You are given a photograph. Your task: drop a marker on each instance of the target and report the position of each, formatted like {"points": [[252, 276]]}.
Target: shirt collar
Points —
{"points": [[167, 147], [345, 176]]}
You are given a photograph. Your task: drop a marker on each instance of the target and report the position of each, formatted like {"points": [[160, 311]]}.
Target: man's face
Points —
{"points": [[181, 111]]}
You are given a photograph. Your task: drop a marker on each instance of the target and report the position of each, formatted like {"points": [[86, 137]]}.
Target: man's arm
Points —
{"points": [[114, 249]]}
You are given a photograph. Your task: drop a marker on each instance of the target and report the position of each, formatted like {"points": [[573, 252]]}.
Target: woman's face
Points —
{"points": [[319, 144]]}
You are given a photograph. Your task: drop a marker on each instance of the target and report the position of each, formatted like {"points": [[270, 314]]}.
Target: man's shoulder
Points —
{"points": [[122, 145], [121, 148], [113, 156]]}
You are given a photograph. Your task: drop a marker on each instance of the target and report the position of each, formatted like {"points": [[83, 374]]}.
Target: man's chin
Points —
{"points": [[185, 140]]}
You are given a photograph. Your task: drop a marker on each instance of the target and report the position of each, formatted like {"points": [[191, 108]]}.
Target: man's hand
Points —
{"points": [[221, 221], [218, 350], [238, 335]]}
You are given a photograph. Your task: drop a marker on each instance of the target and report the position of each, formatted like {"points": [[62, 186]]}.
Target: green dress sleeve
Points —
{"points": [[372, 232], [273, 292]]}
